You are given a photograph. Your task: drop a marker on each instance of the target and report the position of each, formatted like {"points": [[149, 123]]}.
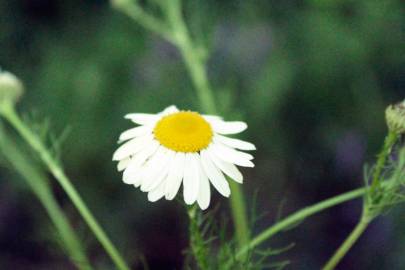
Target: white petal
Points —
{"points": [[155, 181], [135, 132], [231, 155], [133, 176], [216, 177], [175, 176], [204, 194], [132, 147], [136, 180], [191, 179], [209, 118], [159, 173], [137, 172], [169, 110], [142, 118], [157, 193], [234, 143], [153, 174], [228, 168], [223, 127], [123, 164], [138, 160]]}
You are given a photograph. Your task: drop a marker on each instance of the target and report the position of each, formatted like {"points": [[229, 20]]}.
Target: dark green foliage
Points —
{"points": [[312, 79]]}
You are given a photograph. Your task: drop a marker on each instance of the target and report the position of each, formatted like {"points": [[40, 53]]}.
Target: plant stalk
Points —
{"points": [[42, 190], [372, 195], [196, 67], [348, 243], [196, 239], [238, 209], [12, 117], [298, 217], [389, 142]]}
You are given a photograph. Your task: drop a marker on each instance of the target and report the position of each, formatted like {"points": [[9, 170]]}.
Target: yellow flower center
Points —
{"points": [[183, 131]]}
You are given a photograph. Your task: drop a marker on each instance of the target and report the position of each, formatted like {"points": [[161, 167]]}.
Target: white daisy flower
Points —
{"points": [[175, 147]]}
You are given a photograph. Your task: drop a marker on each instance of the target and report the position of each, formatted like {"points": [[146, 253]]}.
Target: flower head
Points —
{"points": [[11, 87], [395, 117], [182, 147]]}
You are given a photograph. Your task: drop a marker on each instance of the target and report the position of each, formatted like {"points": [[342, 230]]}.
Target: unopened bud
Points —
{"points": [[11, 88], [118, 4], [395, 117]]}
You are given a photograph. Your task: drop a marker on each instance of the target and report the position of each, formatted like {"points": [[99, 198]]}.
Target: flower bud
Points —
{"points": [[11, 88], [395, 117], [120, 3]]}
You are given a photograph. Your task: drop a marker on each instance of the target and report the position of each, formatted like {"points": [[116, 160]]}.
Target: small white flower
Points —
{"points": [[174, 147]]}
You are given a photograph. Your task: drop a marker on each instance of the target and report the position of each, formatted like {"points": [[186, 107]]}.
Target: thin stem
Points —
{"points": [[323, 205], [191, 55], [298, 217], [197, 70], [238, 209], [41, 188], [198, 74], [179, 36], [348, 243], [10, 114], [373, 196], [137, 13], [196, 239], [389, 142]]}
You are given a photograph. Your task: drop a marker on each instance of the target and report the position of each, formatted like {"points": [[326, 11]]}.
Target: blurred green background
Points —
{"points": [[311, 78]]}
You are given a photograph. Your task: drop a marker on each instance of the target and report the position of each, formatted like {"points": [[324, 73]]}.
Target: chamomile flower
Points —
{"points": [[175, 147]]}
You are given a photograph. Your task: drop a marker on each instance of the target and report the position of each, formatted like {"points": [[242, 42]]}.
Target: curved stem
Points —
{"points": [[41, 188], [191, 56], [347, 244], [10, 114], [137, 13], [300, 216], [367, 216]]}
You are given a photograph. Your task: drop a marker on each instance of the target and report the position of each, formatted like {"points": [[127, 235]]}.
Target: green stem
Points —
{"points": [[41, 188], [137, 13], [191, 55], [197, 70], [238, 209], [199, 77], [196, 239], [319, 207], [10, 114], [298, 217], [389, 142], [372, 198], [348, 243]]}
